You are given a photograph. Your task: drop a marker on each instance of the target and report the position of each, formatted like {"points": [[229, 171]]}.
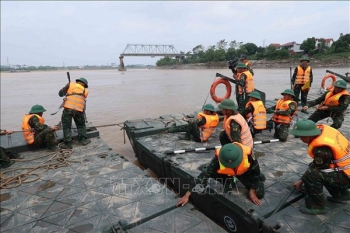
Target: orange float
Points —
{"points": [[323, 83], [213, 88]]}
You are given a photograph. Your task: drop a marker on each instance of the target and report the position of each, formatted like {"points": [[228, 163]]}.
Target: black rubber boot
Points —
{"points": [[313, 211], [66, 146], [84, 142], [5, 164]]}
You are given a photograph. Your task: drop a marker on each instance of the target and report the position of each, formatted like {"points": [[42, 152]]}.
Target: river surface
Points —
{"points": [[115, 96]]}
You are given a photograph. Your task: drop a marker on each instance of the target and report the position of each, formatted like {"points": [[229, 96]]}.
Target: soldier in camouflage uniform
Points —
{"points": [[5, 156], [244, 85], [74, 108], [332, 104], [196, 128], [229, 109], [284, 111], [244, 60], [326, 146], [302, 76], [230, 156], [43, 134]]}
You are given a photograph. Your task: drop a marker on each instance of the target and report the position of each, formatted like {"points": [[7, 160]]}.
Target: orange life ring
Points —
{"points": [[323, 83], [213, 88]]}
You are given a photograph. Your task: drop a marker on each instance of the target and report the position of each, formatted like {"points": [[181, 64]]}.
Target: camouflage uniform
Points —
{"points": [[241, 98], [66, 119], [43, 134], [250, 179], [247, 110], [336, 183], [235, 134], [335, 112], [192, 129], [281, 129], [4, 158], [297, 87]]}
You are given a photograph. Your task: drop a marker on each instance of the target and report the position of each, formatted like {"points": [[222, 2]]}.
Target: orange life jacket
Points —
{"points": [[249, 82], [339, 145], [248, 63], [246, 136], [28, 133], [332, 99], [303, 76], [211, 122], [259, 114], [75, 97], [242, 167], [283, 106]]}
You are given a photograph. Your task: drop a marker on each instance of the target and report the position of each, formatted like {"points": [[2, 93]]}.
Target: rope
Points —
{"points": [[57, 160]]}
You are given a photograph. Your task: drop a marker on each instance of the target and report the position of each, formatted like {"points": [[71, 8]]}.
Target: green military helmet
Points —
{"points": [[230, 155], [340, 84], [305, 128], [304, 58], [209, 107], [241, 65], [243, 56], [228, 104], [83, 80], [37, 109], [255, 95], [288, 92]]}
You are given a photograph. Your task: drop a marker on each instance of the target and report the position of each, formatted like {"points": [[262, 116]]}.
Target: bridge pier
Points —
{"points": [[121, 63]]}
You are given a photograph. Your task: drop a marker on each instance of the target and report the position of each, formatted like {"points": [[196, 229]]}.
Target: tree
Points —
{"points": [[251, 48], [342, 44], [221, 44], [308, 45], [197, 49], [233, 44]]}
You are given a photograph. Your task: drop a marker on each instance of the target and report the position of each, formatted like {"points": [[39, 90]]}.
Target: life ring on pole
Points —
{"points": [[323, 83], [213, 88]]}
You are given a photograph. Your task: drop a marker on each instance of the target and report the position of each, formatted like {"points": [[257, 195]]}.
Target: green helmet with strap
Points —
{"points": [[340, 84], [288, 92], [243, 56], [305, 128], [304, 58], [230, 155], [228, 104], [37, 109], [241, 65], [255, 95], [209, 107], [83, 80]]}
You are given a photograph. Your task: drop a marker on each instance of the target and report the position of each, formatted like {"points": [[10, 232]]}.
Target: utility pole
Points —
{"points": [[8, 64], [264, 43]]}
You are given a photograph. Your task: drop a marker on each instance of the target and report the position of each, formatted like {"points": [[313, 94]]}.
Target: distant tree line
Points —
{"points": [[224, 51]]}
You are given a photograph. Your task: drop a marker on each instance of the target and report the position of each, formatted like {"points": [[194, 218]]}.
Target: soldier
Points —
{"points": [[235, 126], [244, 60], [330, 168], [302, 79], [200, 129], [255, 113], [232, 160], [332, 104], [244, 85], [74, 108], [35, 132], [284, 111], [5, 156]]}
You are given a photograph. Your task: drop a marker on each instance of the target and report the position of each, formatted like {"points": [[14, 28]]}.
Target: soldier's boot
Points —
{"points": [[305, 111], [262, 177], [341, 199], [15, 156], [66, 145], [187, 136], [313, 211], [85, 141], [174, 129], [5, 164]]}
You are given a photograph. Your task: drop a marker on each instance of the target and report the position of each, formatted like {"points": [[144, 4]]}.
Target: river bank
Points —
{"points": [[341, 62]]}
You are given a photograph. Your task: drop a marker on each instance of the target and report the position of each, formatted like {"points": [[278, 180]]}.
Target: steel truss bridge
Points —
{"points": [[151, 50]]}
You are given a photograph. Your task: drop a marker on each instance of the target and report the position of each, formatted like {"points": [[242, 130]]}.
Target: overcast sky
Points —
{"points": [[96, 33]]}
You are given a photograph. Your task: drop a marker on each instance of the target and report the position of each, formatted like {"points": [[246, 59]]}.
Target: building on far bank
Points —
{"points": [[292, 47], [328, 42]]}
